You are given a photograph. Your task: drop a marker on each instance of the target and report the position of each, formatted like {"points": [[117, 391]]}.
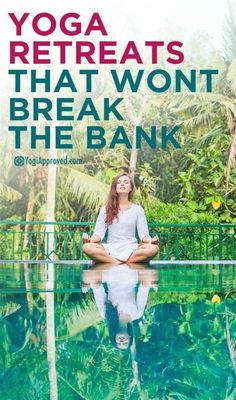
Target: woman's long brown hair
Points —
{"points": [[112, 207]]}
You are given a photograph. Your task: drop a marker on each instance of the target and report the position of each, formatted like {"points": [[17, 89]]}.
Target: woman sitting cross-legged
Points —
{"points": [[121, 218]]}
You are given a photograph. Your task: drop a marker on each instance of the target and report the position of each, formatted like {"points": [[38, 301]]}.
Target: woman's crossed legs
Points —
{"points": [[144, 253]]}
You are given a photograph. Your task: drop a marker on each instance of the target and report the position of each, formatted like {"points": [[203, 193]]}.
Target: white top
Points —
{"points": [[121, 239], [121, 287]]}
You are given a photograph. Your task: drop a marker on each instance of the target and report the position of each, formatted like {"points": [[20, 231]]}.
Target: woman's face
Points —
{"points": [[123, 185], [122, 341]]}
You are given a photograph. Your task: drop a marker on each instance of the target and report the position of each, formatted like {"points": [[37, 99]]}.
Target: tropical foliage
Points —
{"points": [[199, 174], [185, 348]]}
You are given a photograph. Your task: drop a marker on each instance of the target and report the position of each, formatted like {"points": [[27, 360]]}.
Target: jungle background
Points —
{"points": [[196, 183], [186, 345]]}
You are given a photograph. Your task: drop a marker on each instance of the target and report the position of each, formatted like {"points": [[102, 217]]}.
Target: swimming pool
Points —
{"points": [[59, 332]]}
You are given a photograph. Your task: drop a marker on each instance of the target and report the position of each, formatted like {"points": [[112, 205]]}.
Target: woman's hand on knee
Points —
{"points": [[86, 238], [150, 240], [93, 239], [154, 239]]}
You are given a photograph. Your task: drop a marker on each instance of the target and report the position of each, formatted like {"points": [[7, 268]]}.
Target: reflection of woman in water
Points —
{"points": [[121, 218], [121, 295]]}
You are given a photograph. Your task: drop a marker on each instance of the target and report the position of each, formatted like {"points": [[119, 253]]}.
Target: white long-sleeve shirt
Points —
{"points": [[121, 239]]}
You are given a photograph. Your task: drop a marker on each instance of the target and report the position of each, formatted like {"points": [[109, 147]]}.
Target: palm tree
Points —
{"points": [[206, 109], [50, 331], [7, 192], [214, 111]]}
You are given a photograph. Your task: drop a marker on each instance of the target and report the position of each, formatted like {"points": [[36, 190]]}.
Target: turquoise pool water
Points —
{"points": [[74, 332]]}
